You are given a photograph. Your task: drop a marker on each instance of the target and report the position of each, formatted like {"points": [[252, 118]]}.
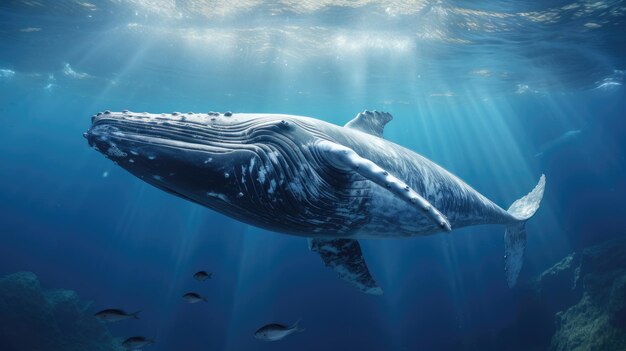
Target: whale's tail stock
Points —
{"points": [[515, 235]]}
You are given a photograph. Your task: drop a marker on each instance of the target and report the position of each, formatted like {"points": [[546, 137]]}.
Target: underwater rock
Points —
{"points": [[577, 304], [587, 327], [598, 320], [566, 268], [559, 284], [32, 319]]}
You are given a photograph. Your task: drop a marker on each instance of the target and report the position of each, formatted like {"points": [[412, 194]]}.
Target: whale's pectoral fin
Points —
{"points": [[344, 256], [345, 158], [371, 122]]}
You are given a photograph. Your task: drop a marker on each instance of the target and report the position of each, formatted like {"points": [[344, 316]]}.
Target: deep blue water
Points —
{"points": [[479, 88]]}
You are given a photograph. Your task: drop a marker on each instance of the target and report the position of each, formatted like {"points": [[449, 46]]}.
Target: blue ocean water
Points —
{"points": [[488, 90]]}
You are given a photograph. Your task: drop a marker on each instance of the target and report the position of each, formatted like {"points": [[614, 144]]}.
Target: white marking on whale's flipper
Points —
{"points": [[515, 234], [344, 256], [346, 158], [371, 122]]}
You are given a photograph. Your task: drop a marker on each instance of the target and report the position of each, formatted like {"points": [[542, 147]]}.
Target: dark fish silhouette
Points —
{"points": [[115, 315], [193, 297], [203, 275], [275, 331], [136, 342]]}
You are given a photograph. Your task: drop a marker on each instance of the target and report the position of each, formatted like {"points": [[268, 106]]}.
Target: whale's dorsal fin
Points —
{"points": [[344, 256], [347, 159], [371, 122]]}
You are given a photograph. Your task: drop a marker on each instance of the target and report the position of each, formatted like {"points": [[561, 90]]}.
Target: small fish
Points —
{"points": [[136, 342], [193, 297], [202, 275], [275, 331], [115, 315]]}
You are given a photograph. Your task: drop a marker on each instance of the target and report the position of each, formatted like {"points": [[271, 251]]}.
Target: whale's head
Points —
{"points": [[187, 154], [250, 167]]}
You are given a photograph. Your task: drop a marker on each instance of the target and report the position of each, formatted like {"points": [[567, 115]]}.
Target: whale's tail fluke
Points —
{"points": [[515, 234]]}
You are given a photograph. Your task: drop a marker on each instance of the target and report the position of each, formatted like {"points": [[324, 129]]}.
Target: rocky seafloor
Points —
{"points": [[578, 304], [598, 320], [33, 319]]}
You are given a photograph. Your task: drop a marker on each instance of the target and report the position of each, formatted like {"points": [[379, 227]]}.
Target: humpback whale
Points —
{"points": [[564, 139], [333, 185]]}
